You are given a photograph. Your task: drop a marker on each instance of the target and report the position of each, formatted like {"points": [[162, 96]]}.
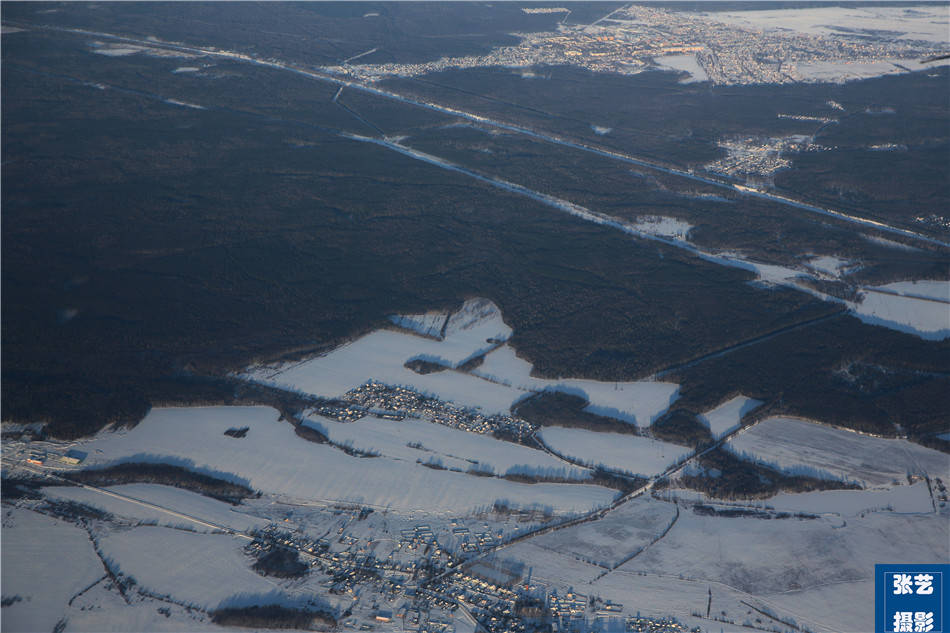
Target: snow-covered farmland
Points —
{"points": [[638, 402], [804, 447], [926, 288], [918, 22], [767, 558], [271, 458], [199, 569], [45, 562], [102, 611], [414, 440], [632, 454], [382, 355], [653, 594], [726, 417], [893, 306], [128, 499], [618, 535], [902, 499], [499, 383]]}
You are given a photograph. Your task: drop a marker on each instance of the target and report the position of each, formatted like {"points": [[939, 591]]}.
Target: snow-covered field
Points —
{"points": [[199, 569], [174, 499], [725, 418], [468, 328], [911, 22], [271, 458], [926, 288], [102, 611], [638, 402], [45, 562], [412, 440], [653, 593], [610, 540], [902, 499], [381, 356], [768, 558], [839, 71], [804, 447], [476, 328], [926, 318], [632, 454]]}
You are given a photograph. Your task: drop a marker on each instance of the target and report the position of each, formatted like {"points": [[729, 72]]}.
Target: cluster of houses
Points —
{"points": [[420, 570], [396, 403]]}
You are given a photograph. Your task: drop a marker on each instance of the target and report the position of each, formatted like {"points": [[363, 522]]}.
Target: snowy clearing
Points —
{"points": [[174, 499], [810, 448], [632, 454], [926, 318], [413, 440], [45, 562], [271, 458], [663, 226], [684, 63], [638, 403], [726, 417], [470, 332], [829, 264]]}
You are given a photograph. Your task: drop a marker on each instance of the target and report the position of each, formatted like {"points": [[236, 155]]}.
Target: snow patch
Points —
{"points": [[663, 226], [892, 306]]}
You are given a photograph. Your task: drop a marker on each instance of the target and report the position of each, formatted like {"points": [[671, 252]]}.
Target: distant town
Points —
{"points": [[634, 38]]}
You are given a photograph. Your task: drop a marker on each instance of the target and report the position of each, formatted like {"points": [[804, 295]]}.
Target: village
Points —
{"points": [[422, 586], [397, 403], [636, 37]]}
